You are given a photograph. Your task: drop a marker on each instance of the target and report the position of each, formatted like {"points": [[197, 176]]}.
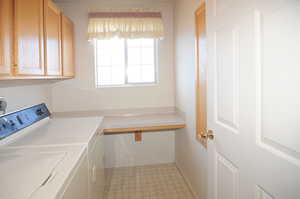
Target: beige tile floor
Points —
{"points": [[146, 182]]}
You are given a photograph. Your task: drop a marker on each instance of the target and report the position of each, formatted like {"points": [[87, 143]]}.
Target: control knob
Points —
{"points": [[39, 112]]}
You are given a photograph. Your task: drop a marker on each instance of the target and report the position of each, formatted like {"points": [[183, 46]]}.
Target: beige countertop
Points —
{"points": [[129, 120]]}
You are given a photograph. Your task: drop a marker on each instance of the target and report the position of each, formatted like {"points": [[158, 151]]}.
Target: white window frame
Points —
{"points": [[127, 84]]}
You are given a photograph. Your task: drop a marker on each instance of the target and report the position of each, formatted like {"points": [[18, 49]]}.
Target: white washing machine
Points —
{"points": [[48, 173], [32, 129]]}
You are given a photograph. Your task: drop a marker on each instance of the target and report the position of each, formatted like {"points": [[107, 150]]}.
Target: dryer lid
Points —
{"points": [[23, 175]]}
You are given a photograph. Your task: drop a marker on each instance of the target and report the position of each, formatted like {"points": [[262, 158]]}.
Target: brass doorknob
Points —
{"points": [[209, 135]]}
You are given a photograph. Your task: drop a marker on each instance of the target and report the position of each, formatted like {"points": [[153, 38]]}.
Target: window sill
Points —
{"points": [[128, 85]]}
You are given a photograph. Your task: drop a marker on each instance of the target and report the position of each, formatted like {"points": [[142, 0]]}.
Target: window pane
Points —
{"points": [[147, 56], [104, 60], [119, 56], [134, 56], [104, 75], [148, 43], [134, 42], [110, 62], [118, 74], [134, 74], [148, 74]]}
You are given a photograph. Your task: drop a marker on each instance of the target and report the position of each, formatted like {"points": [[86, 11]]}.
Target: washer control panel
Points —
{"points": [[13, 122]]}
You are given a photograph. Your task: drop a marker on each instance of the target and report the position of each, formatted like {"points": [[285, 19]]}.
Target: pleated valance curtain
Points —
{"points": [[133, 23]]}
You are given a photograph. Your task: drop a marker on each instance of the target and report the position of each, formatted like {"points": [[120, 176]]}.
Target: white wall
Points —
{"points": [[191, 157], [155, 148], [20, 94], [81, 94]]}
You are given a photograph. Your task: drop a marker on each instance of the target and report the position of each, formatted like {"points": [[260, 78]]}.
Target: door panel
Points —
{"points": [[29, 31], [278, 90], [227, 179], [6, 36], [226, 41], [68, 47], [52, 39], [277, 127], [253, 99]]}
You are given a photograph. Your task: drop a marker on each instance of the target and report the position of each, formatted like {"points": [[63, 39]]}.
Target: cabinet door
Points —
{"points": [[29, 37], [52, 39], [68, 47], [6, 36]]}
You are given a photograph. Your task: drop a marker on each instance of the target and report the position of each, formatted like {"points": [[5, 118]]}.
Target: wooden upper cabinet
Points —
{"points": [[36, 41], [6, 37], [29, 37], [68, 47], [53, 63]]}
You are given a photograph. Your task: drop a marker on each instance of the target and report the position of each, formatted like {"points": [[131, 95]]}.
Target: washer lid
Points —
{"points": [[22, 175], [61, 131]]}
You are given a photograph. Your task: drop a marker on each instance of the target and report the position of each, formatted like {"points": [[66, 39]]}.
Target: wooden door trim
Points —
{"points": [[200, 83]]}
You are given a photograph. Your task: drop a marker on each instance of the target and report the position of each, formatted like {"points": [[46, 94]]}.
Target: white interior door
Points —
{"points": [[254, 99]]}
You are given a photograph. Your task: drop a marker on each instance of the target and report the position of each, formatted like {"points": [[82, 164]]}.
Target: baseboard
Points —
{"points": [[195, 195]]}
